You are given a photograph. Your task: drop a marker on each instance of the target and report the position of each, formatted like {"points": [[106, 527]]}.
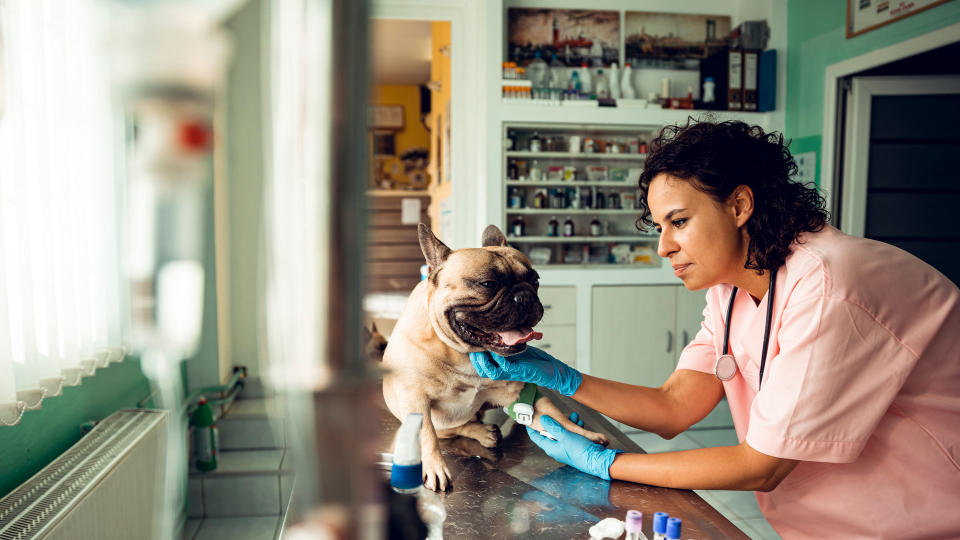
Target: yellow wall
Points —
{"points": [[414, 133], [439, 71]]}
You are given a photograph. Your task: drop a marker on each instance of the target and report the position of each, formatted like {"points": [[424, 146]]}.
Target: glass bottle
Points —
{"points": [[595, 228], [540, 199], [512, 170], [553, 227], [536, 143], [518, 227], [568, 227], [536, 172], [601, 200], [613, 201]]}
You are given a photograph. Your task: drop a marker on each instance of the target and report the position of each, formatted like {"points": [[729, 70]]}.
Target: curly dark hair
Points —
{"points": [[716, 158]]}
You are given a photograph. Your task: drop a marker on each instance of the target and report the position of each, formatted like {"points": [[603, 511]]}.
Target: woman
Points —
{"points": [[844, 389]]}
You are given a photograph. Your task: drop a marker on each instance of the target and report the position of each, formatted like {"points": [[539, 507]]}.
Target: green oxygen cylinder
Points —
{"points": [[204, 437]]}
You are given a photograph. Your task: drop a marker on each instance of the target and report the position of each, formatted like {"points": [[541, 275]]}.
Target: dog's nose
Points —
{"points": [[522, 298]]}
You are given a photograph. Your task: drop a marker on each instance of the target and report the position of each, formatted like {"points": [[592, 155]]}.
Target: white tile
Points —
{"points": [[195, 498], [239, 528], [249, 460], [286, 488], [653, 443], [241, 495], [757, 529], [739, 504], [709, 438], [248, 433], [190, 528]]}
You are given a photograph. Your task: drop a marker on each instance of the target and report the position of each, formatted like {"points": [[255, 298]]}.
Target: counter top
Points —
{"points": [[517, 491]]}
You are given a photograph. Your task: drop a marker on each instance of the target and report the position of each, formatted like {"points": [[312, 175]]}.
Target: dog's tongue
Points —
{"points": [[518, 336]]}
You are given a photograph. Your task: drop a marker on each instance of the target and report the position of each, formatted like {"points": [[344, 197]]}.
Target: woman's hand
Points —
{"points": [[573, 449], [532, 366]]}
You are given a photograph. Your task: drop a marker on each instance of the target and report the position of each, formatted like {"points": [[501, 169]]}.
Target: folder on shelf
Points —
{"points": [[750, 80], [767, 81], [735, 80]]}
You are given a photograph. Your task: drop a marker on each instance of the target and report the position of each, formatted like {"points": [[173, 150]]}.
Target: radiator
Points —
{"points": [[103, 487]]}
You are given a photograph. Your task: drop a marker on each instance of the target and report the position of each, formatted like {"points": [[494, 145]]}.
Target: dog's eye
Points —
{"points": [[536, 284], [489, 284]]}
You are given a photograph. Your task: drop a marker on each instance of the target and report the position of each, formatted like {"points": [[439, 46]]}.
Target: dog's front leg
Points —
{"points": [[436, 476]]}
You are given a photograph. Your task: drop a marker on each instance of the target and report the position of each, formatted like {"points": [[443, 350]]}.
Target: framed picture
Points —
{"points": [[865, 15], [573, 35], [386, 117], [673, 40]]}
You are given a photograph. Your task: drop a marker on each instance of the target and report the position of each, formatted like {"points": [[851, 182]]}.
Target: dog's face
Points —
{"points": [[482, 298]]}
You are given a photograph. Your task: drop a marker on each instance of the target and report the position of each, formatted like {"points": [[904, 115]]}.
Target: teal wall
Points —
{"points": [[43, 435], [816, 38]]}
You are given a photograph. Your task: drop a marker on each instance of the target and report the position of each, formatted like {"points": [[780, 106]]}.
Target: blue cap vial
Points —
{"points": [[660, 522], [673, 528]]}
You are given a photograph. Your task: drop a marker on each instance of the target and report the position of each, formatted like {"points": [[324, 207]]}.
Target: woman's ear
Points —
{"points": [[742, 204]]}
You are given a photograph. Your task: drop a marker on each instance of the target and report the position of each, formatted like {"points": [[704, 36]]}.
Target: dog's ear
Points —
{"points": [[373, 327], [434, 251], [492, 236]]}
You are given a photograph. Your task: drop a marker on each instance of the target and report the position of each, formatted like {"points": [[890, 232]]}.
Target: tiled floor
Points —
{"points": [[740, 507], [236, 528]]}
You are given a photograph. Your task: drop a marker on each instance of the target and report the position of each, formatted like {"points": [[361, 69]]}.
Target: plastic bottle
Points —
{"points": [[553, 227], [673, 528], [586, 80], [205, 439], [614, 81], [540, 199], [595, 228], [576, 85], [518, 227], [708, 90], [660, 526], [568, 227], [536, 172], [538, 72], [602, 87], [626, 83], [634, 524], [406, 476]]}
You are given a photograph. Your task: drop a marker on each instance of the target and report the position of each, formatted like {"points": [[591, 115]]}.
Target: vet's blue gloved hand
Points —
{"points": [[573, 449], [532, 366]]}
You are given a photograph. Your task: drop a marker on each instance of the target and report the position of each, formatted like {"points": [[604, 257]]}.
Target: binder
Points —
{"points": [[767, 81], [750, 80], [735, 80]]}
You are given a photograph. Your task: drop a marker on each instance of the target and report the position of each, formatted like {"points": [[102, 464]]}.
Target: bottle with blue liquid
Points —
{"points": [[406, 476]]}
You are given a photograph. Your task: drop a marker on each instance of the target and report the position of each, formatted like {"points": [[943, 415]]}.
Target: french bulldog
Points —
{"points": [[472, 300]]}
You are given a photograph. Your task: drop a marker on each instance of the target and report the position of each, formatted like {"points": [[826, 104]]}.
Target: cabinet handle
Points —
{"points": [[545, 346], [669, 340], [686, 338], [547, 306]]}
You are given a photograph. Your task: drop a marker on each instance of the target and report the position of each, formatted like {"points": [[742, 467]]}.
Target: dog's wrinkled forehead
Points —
{"points": [[484, 264]]}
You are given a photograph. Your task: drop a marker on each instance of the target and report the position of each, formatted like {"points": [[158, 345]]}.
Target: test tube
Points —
{"points": [[660, 526], [673, 528], [634, 523]]}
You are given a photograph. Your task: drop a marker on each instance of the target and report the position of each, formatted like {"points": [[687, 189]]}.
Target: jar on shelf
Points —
{"points": [[518, 227], [553, 227], [568, 227]]}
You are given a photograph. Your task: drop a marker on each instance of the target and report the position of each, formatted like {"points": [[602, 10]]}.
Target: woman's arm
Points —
{"points": [[726, 467], [686, 398]]}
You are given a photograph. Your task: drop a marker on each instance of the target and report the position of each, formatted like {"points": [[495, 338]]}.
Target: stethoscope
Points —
{"points": [[726, 366]]}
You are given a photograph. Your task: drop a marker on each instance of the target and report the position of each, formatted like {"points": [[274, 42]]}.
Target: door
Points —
{"points": [[900, 182]]}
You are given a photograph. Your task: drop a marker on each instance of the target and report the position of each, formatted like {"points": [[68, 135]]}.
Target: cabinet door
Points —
{"points": [[559, 305], [690, 306], [560, 341], [632, 331]]}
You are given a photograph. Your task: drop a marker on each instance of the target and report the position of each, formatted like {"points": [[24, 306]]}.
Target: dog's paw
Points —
{"points": [[489, 435], [436, 476], [598, 438]]}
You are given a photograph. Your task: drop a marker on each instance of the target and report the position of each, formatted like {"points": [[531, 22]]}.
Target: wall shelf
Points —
{"points": [[575, 155], [571, 211], [579, 239], [571, 183]]}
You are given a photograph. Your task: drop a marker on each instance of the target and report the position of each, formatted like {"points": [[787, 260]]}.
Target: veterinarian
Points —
{"points": [[839, 356]]}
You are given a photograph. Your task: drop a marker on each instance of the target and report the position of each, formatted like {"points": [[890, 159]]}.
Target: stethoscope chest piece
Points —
{"points": [[726, 367]]}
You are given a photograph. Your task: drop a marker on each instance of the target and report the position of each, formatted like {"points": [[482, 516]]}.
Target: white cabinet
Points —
{"points": [[690, 306], [634, 333], [559, 323]]}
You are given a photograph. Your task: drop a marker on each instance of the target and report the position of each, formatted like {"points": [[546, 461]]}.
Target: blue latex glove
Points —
{"points": [[573, 449], [532, 366]]}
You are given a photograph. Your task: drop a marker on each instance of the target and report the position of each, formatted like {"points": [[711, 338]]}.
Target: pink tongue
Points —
{"points": [[518, 336]]}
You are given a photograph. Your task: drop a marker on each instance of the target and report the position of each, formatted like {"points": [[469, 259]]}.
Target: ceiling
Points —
{"points": [[400, 51]]}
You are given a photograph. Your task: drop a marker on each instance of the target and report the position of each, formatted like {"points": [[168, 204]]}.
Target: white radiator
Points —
{"points": [[103, 487]]}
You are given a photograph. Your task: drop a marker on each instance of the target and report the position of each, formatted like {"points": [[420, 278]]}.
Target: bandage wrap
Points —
{"points": [[521, 410]]}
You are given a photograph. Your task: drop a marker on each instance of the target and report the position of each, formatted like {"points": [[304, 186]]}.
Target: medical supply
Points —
{"points": [[536, 172], [673, 528], [573, 144], [626, 83], [569, 173], [540, 199], [660, 526], [518, 227], [568, 227], [607, 528], [614, 81], [406, 475], [204, 437], [634, 521], [596, 229], [535, 142], [553, 228], [726, 365], [589, 145], [602, 86], [708, 90]]}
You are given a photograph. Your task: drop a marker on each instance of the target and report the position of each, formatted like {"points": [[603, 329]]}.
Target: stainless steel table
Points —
{"points": [[517, 491]]}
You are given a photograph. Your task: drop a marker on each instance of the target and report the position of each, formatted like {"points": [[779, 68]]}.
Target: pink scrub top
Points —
{"points": [[862, 385]]}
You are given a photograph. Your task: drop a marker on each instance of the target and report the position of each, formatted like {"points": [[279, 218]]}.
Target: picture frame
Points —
{"points": [[866, 15], [573, 35], [384, 144], [386, 117]]}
